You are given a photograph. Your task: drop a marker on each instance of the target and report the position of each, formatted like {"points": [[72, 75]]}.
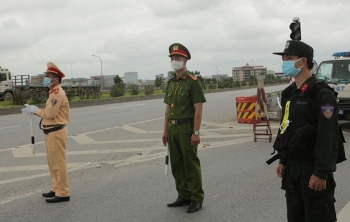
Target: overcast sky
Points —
{"points": [[134, 35]]}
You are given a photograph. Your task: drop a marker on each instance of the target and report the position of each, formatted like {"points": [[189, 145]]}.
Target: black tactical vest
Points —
{"points": [[299, 139]]}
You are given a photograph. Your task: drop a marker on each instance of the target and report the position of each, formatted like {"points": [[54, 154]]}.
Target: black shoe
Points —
{"points": [[56, 199], [49, 194], [180, 202], [194, 206]]}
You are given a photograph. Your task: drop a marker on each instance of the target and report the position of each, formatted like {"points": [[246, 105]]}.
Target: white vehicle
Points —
{"points": [[336, 72], [6, 90]]}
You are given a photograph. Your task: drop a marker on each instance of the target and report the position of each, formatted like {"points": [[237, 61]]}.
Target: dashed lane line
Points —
{"points": [[8, 127], [119, 107], [7, 200]]}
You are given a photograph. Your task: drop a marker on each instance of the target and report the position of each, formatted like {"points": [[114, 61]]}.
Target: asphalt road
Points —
{"points": [[116, 167]]}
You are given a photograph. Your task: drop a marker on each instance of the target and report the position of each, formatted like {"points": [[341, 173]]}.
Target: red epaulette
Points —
{"points": [[192, 77], [304, 87], [54, 90]]}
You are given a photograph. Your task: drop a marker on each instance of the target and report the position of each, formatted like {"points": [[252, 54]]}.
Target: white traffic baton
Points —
{"points": [[32, 133], [167, 160]]}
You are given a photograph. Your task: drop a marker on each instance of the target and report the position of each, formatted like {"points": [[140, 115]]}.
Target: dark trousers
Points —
{"points": [[185, 164], [303, 203]]}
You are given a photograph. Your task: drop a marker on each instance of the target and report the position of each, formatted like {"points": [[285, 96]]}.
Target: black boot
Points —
{"points": [[179, 202], [49, 194], [194, 206], [56, 199]]}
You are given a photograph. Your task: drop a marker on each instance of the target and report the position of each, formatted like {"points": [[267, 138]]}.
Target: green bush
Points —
{"points": [[212, 86], [149, 90], [20, 95], [134, 89], [38, 95], [117, 90]]}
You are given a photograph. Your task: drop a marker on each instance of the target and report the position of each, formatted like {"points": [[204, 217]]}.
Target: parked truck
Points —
{"points": [[6, 87], [9, 83], [336, 72]]}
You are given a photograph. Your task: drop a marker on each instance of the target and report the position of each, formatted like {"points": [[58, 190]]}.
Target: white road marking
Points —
{"points": [[9, 127], [27, 153], [147, 153], [4, 150], [7, 200], [86, 165], [132, 129], [119, 107], [146, 121], [148, 107], [344, 214]]}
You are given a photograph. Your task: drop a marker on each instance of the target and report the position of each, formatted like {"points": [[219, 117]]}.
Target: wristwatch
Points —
{"points": [[196, 133]]}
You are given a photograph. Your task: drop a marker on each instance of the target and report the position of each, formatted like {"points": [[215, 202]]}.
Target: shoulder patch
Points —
{"points": [[193, 77], [327, 110], [53, 102]]}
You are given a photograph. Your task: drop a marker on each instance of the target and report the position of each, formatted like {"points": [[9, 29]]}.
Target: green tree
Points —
{"points": [[118, 89], [228, 82], [171, 73], [198, 75], [158, 82], [117, 80], [252, 80], [269, 79]]}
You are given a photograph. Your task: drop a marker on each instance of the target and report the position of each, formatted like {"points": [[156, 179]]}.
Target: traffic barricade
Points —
{"points": [[245, 106]]}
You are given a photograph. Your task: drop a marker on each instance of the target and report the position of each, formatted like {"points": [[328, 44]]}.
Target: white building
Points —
{"points": [[244, 72], [106, 82], [219, 77], [130, 78]]}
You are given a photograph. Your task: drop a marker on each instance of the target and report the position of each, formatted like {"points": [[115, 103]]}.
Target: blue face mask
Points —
{"points": [[47, 81], [288, 68]]}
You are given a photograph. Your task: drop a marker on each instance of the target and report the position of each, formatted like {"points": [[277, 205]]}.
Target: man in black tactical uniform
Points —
{"points": [[307, 140]]}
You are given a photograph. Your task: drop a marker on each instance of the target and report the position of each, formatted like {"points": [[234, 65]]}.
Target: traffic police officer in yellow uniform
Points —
{"points": [[55, 116], [184, 100]]}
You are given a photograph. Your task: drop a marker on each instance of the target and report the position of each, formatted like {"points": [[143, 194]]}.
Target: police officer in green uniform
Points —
{"points": [[184, 100], [307, 140]]}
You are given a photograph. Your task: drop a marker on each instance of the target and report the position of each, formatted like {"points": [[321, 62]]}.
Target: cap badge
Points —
{"points": [[175, 47], [287, 45]]}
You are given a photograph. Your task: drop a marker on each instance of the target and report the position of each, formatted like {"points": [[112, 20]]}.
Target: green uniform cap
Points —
{"points": [[179, 49]]}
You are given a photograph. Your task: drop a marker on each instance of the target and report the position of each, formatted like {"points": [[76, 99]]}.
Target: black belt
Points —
{"points": [[179, 121], [53, 129], [51, 125]]}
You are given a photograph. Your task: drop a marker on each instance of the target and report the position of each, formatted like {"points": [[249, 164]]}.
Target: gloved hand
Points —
{"points": [[28, 109]]}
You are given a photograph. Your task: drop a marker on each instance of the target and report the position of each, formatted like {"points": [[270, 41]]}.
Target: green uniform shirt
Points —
{"points": [[181, 94]]}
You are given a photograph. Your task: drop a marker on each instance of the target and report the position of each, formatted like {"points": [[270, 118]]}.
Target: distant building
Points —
{"points": [[281, 74], [244, 72], [160, 76], [271, 72], [165, 78], [130, 78], [105, 82], [142, 83], [219, 77]]}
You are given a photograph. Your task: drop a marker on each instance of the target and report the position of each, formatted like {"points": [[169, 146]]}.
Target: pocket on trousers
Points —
{"points": [[324, 209]]}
